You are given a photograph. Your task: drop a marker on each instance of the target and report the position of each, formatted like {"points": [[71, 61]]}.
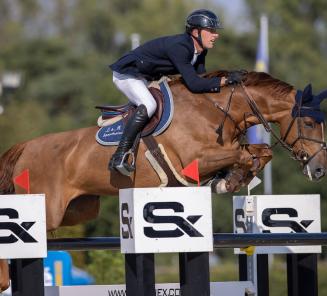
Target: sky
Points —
{"points": [[235, 14], [234, 8]]}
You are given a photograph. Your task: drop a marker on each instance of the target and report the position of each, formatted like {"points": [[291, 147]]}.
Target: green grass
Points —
{"points": [[227, 270], [108, 268]]}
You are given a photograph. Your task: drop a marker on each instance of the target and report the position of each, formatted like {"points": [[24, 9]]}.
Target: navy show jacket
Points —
{"points": [[168, 55]]}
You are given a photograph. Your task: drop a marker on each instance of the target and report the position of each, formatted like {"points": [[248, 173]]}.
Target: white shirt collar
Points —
{"points": [[195, 56]]}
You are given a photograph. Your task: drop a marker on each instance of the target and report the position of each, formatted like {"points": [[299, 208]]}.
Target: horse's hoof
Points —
{"points": [[255, 165], [219, 186]]}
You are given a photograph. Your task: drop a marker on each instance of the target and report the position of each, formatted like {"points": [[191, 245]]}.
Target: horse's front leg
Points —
{"points": [[253, 159], [213, 160], [259, 153]]}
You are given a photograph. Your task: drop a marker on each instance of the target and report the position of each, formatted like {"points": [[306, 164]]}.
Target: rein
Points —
{"points": [[263, 121], [219, 130]]}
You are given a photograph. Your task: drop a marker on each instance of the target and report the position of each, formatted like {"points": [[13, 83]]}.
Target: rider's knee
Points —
{"points": [[151, 107], [115, 80]]}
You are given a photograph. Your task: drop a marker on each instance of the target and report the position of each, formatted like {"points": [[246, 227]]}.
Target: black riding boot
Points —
{"points": [[133, 127]]}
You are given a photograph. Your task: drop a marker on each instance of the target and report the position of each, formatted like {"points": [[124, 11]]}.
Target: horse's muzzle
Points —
{"points": [[319, 173], [314, 174]]}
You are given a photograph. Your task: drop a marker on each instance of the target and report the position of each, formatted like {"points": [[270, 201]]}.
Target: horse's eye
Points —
{"points": [[309, 124]]}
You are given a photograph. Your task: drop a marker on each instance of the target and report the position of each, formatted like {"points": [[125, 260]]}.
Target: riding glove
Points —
{"points": [[234, 77]]}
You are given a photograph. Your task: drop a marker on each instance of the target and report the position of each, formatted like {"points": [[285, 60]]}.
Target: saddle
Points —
{"points": [[114, 118], [110, 114]]}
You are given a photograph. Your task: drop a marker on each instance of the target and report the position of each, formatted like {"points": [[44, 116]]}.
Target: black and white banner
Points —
{"points": [[166, 220], [22, 226], [278, 214]]}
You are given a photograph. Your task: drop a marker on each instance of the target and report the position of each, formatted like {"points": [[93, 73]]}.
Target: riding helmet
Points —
{"points": [[202, 19]]}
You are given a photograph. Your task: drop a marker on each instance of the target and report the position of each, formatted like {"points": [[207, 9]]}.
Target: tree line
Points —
{"points": [[62, 49]]}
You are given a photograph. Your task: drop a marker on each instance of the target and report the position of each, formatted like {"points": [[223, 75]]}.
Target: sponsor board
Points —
{"points": [[22, 226], [170, 219], [278, 214], [168, 289]]}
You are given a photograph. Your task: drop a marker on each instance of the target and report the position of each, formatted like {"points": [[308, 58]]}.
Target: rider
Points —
{"points": [[178, 54]]}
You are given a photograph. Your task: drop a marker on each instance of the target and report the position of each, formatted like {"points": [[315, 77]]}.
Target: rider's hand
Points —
{"points": [[223, 81], [234, 77]]}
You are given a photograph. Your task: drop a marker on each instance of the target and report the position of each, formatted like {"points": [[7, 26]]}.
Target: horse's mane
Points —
{"points": [[250, 79]]}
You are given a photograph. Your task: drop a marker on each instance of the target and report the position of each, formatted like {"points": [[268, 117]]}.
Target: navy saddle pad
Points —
{"points": [[111, 134]]}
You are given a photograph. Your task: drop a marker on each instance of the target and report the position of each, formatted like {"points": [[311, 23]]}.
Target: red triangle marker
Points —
{"points": [[192, 171], [23, 180]]}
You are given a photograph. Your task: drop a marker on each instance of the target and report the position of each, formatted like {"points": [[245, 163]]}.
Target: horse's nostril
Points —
{"points": [[319, 173]]}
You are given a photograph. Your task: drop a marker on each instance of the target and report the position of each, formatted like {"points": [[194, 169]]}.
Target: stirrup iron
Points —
{"points": [[125, 168]]}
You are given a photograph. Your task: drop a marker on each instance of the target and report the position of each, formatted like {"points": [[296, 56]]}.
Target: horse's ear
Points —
{"points": [[322, 96], [307, 93], [307, 90]]}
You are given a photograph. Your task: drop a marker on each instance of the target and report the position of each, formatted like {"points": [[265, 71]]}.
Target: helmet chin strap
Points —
{"points": [[199, 38]]}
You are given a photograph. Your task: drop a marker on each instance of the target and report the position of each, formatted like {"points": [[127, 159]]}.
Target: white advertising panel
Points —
{"points": [[168, 289], [22, 226], [170, 219], [278, 214]]}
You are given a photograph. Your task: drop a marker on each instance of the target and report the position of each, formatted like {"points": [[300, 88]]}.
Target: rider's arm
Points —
{"points": [[181, 57], [200, 67]]}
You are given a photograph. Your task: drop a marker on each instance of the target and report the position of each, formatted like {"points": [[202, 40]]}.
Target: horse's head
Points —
{"points": [[301, 122], [305, 133]]}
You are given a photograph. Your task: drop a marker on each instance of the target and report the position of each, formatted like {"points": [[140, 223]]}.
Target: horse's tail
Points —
{"points": [[7, 164]]}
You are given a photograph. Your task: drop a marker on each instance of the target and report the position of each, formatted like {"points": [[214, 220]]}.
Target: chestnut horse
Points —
{"points": [[71, 168]]}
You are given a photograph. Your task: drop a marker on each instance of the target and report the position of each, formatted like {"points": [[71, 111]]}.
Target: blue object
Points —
{"points": [[60, 266], [81, 277], [256, 134]]}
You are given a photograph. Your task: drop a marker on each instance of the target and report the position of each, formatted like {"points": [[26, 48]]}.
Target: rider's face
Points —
{"points": [[209, 37]]}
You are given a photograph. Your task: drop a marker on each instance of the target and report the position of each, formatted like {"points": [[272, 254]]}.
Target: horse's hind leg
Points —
{"points": [[81, 209], [4, 275]]}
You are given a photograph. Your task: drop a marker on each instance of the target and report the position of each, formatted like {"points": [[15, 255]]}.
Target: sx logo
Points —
{"points": [[183, 225], [127, 221], [295, 226], [269, 222], [20, 230]]}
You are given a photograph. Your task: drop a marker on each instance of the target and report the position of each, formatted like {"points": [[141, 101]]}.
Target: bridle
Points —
{"points": [[300, 155]]}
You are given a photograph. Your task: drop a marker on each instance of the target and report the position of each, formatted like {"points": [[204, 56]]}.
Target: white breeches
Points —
{"points": [[136, 90]]}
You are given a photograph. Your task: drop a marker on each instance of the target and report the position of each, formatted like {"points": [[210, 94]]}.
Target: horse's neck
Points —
{"points": [[273, 105]]}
